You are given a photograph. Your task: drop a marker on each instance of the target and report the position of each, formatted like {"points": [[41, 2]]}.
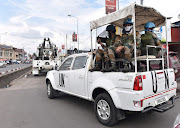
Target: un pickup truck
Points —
{"points": [[113, 93]]}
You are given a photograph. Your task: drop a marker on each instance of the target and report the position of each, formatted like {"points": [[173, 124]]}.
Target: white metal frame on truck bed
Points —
{"points": [[140, 16]]}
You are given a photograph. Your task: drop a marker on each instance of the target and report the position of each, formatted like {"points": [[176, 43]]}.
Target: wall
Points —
{"points": [[175, 34]]}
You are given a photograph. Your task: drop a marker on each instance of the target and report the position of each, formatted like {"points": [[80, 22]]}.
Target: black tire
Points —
{"points": [[50, 91], [112, 118]]}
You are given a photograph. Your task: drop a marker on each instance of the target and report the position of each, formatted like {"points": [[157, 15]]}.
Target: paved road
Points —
{"points": [[25, 105], [13, 66]]}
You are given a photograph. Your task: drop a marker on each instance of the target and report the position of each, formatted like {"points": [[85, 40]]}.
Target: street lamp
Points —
{"points": [[77, 30]]}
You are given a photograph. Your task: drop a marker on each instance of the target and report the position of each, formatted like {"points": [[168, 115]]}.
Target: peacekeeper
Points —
{"points": [[125, 49], [127, 40], [103, 53], [149, 38]]}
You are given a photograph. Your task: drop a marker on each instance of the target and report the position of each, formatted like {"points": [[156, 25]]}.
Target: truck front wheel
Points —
{"points": [[105, 110], [50, 91]]}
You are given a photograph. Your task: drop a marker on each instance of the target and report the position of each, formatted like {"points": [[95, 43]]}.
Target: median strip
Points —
{"points": [[8, 76]]}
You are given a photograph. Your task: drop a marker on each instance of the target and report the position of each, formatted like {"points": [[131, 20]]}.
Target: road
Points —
{"points": [[13, 66], [25, 105]]}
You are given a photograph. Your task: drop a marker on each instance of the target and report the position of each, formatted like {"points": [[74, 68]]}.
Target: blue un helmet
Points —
{"points": [[127, 21], [111, 27], [149, 25]]}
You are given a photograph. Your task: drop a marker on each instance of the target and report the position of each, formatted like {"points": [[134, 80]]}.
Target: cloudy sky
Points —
{"points": [[24, 23]]}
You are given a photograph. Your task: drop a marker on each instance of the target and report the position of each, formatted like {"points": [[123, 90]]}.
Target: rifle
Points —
{"points": [[102, 39]]}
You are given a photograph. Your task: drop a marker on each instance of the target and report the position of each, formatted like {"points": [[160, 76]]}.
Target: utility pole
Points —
{"points": [[77, 30], [117, 4], [66, 45], [141, 2]]}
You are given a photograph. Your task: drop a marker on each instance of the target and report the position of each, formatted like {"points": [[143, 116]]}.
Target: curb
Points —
{"points": [[12, 70], [10, 75]]}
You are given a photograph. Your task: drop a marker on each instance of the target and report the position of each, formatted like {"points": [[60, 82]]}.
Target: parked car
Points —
{"points": [[14, 61], [174, 62], [18, 61], [27, 62], [177, 122], [2, 64], [8, 62]]}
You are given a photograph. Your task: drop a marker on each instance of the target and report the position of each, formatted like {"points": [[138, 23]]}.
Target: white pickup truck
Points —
{"points": [[113, 92]]}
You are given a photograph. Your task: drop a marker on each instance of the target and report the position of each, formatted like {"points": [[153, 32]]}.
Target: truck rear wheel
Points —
{"points": [[105, 110], [50, 91]]}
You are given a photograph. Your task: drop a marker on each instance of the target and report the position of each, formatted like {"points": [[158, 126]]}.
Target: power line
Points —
{"points": [[29, 36], [87, 38], [25, 36]]}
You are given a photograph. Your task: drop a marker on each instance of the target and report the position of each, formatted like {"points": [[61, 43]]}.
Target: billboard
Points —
{"points": [[110, 6], [74, 37]]}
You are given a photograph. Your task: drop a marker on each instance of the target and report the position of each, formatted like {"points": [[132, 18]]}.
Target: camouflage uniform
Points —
{"points": [[106, 52], [126, 40], [149, 38]]}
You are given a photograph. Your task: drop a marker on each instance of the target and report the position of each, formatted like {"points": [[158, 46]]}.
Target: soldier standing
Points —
{"points": [[149, 38]]}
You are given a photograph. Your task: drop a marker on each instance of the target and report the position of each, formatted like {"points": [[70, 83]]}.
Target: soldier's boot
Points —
{"points": [[108, 68], [139, 67], [113, 66], [98, 67], [105, 67], [126, 67]]}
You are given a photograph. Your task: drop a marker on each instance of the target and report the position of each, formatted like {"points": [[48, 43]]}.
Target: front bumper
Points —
{"points": [[47, 67]]}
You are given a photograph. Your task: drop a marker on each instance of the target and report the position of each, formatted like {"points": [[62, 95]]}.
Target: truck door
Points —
{"points": [[63, 75], [77, 83]]}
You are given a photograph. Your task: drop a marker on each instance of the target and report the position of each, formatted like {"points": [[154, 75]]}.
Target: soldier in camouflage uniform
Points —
{"points": [[125, 49], [149, 38], [127, 40], [103, 54], [124, 46]]}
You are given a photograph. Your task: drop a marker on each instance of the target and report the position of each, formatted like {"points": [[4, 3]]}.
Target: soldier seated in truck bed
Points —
{"points": [[118, 48]]}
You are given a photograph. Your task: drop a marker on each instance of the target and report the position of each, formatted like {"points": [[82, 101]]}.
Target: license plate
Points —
{"points": [[160, 100]]}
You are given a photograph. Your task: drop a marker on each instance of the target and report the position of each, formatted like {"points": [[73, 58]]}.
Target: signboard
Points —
{"points": [[110, 6], [74, 37], [63, 46]]}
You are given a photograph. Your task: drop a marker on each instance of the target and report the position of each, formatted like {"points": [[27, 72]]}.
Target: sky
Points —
{"points": [[24, 23]]}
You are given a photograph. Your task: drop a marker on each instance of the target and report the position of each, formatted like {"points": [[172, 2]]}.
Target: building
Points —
{"points": [[175, 32], [11, 53]]}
